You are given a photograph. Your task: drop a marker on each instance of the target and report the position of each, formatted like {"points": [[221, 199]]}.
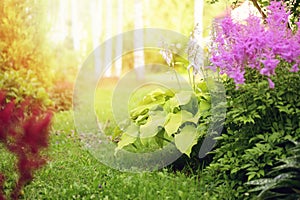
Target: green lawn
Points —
{"points": [[73, 173]]}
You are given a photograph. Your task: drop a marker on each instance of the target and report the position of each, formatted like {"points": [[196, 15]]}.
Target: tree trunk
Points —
{"points": [[108, 41], [96, 13], [139, 63], [119, 45], [75, 24]]}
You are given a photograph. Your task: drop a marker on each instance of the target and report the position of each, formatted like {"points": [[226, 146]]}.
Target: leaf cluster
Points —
{"points": [[22, 84], [259, 123], [25, 58], [283, 181], [164, 117]]}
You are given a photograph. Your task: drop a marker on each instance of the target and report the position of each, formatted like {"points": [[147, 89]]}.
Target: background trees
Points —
{"points": [[25, 58], [98, 20]]}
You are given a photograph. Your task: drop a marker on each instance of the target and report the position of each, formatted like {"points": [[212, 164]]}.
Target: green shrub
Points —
{"points": [[258, 120], [22, 84], [283, 181], [25, 58]]}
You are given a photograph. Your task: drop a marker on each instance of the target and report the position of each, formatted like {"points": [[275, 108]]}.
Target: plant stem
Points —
{"points": [[259, 9], [177, 79]]}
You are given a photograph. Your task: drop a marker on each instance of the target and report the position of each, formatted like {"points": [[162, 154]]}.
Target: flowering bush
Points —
{"points": [[256, 45], [24, 131], [259, 122]]}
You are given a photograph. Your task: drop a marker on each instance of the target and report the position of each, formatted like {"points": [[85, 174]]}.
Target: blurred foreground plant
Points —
{"points": [[24, 132]]}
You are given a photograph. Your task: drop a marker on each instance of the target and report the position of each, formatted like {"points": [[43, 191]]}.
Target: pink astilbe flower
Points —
{"points": [[271, 83], [255, 45]]}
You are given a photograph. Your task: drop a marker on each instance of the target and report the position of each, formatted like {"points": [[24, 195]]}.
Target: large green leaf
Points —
{"points": [[186, 139], [126, 140], [148, 142], [191, 106], [184, 97], [204, 106], [150, 129], [174, 121], [155, 96], [129, 136], [141, 119], [138, 111], [171, 105], [203, 87]]}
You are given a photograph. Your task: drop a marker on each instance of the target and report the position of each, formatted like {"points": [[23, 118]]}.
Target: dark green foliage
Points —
{"points": [[259, 120], [295, 9], [283, 181]]}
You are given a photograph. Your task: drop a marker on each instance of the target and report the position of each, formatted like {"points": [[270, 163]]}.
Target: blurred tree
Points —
{"points": [[74, 25], [108, 34], [139, 62], [25, 56], [175, 15], [96, 18], [119, 45], [23, 43], [91, 24]]}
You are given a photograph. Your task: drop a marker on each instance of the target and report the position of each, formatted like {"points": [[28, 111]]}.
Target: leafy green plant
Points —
{"points": [[21, 84], [283, 180], [258, 120], [163, 117], [25, 57]]}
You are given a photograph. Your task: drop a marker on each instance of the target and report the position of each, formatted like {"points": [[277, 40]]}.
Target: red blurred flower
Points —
{"points": [[24, 131]]}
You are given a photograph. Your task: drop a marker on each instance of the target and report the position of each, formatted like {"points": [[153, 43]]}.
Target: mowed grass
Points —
{"points": [[73, 173]]}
